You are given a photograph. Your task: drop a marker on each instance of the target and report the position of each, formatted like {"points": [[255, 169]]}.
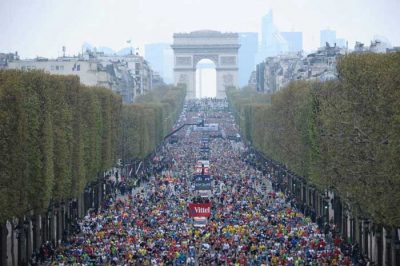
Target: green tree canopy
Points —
{"points": [[342, 134]]}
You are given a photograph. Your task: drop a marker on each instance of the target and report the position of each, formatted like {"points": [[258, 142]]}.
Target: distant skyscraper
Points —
{"points": [[168, 73], [267, 30], [247, 55], [327, 36], [160, 57], [340, 42], [272, 42], [294, 41]]}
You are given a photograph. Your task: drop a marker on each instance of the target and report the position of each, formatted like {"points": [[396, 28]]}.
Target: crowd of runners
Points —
{"points": [[250, 223]]}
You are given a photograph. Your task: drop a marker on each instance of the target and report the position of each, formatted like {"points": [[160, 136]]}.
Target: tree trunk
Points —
{"points": [[3, 244], [12, 244]]}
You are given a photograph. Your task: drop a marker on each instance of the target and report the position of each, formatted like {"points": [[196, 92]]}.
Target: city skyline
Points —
{"points": [[41, 28]]}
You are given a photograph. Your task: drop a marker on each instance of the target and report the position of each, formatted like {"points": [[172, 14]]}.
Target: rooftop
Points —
{"points": [[205, 33]]}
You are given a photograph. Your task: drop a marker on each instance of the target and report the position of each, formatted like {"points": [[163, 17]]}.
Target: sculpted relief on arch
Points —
{"points": [[228, 80], [183, 61]]}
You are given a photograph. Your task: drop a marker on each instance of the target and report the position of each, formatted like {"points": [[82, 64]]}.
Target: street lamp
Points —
{"points": [[26, 231], [294, 186], [49, 217], [326, 205]]}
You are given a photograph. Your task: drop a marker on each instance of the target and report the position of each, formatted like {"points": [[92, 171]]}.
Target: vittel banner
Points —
{"points": [[199, 209]]}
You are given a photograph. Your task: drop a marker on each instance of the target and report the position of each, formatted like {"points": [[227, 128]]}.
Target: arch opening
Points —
{"points": [[206, 79]]}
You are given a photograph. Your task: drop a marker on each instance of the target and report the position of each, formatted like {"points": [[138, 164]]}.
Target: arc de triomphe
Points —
{"points": [[221, 48]]}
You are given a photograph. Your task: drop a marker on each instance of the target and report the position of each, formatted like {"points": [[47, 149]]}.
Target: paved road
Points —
{"points": [[248, 225]]}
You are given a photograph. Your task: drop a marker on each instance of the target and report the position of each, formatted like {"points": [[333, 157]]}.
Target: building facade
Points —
{"points": [[253, 80], [128, 76], [87, 71], [276, 72], [260, 77], [5, 58]]}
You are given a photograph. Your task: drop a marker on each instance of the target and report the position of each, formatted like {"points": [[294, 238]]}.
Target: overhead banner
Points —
{"points": [[207, 127], [205, 193], [202, 186], [199, 209], [201, 178], [199, 170], [202, 182], [205, 140], [204, 149], [205, 163], [202, 164]]}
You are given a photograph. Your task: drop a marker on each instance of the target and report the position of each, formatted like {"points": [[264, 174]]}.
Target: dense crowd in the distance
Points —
{"points": [[250, 223]]}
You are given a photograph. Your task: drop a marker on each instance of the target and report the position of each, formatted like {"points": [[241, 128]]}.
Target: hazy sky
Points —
{"points": [[42, 27]]}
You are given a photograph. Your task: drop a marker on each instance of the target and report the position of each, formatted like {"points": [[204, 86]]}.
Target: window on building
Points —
{"points": [[57, 67], [78, 68], [53, 67], [61, 68]]}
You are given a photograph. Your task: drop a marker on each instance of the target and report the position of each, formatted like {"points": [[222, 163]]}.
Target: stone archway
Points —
{"points": [[221, 48], [206, 79]]}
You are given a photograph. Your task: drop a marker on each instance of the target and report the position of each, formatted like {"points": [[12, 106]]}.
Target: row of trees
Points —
{"points": [[57, 135], [342, 134], [145, 123]]}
